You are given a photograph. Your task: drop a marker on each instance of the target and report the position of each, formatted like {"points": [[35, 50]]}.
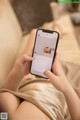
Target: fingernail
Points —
{"points": [[45, 72]]}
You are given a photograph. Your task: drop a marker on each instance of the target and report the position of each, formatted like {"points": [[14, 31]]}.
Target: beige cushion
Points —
{"points": [[68, 46], [10, 38]]}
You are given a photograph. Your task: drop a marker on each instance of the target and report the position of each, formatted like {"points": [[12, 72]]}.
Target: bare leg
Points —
{"points": [[20, 110], [28, 111], [9, 103]]}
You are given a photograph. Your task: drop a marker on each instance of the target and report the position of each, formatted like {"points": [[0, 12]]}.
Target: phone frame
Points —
{"points": [[47, 31]]}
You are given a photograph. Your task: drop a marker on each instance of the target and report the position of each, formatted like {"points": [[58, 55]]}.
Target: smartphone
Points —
{"points": [[44, 51]]}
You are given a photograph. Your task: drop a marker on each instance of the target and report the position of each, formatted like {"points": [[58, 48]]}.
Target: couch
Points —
{"points": [[13, 44]]}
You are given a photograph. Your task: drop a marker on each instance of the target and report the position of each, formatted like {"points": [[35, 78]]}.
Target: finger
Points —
{"points": [[55, 64], [56, 59], [50, 75], [26, 58], [46, 26], [57, 67], [29, 54], [29, 58]]}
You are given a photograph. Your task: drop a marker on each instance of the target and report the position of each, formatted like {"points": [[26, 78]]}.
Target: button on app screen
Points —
{"points": [[43, 53]]}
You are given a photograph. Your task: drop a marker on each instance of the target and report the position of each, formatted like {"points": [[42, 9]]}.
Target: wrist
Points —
{"points": [[16, 74], [67, 89]]}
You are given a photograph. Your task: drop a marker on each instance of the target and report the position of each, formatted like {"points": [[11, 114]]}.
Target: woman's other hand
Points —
{"points": [[22, 65], [57, 76], [21, 68]]}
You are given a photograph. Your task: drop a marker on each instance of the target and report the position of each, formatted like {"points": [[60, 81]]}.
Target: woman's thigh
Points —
{"points": [[28, 111], [9, 103]]}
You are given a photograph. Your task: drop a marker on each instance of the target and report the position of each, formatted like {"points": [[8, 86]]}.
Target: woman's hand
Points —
{"points": [[22, 65], [60, 81], [57, 78], [21, 68]]}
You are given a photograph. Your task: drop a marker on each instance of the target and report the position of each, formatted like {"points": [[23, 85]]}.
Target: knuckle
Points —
{"points": [[25, 57], [33, 31]]}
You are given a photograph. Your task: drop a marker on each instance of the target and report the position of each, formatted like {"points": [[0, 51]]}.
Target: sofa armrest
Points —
{"points": [[10, 38]]}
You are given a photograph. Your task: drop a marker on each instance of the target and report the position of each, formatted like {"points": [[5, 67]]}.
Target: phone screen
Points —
{"points": [[44, 51]]}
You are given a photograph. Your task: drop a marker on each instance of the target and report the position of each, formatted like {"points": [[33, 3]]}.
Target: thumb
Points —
{"points": [[50, 75]]}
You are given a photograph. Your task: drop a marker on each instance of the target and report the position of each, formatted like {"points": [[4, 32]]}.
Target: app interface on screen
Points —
{"points": [[43, 53]]}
